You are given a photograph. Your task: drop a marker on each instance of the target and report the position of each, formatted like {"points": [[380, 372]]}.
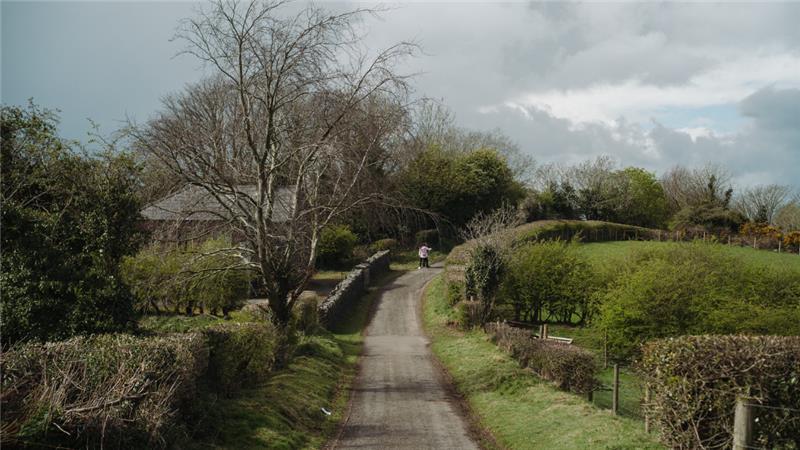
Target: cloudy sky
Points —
{"points": [[651, 84]]}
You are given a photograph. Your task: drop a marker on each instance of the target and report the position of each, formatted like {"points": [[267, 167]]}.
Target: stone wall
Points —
{"points": [[340, 301]]}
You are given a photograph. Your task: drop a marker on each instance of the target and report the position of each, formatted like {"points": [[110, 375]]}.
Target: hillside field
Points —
{"points": [[606, 253]]}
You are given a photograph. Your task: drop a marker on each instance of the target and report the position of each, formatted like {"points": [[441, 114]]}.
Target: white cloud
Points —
{"points": [[726, 84]]}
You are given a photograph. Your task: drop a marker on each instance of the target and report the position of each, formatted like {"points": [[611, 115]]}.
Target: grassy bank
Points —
{"points": [[520, 410], [286, 410], [608, 253]]}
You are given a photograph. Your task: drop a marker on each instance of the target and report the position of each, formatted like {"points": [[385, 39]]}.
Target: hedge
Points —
{"points": [[570, 367], [565, 230], [117, 391], [240, 354], [125, 391], [695, 380]]}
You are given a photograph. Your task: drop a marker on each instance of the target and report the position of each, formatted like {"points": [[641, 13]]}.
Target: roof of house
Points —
{"points": [[196, 203]]}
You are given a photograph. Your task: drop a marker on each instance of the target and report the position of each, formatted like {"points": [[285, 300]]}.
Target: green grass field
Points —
{"points": [[519, 409], [607, 253]]}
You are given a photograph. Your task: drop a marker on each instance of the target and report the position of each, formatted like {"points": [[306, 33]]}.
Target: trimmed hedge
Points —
{"points": [[117, 391], [694, 382], [570, 367], [240, 353], [125, 391], [542, 230]]}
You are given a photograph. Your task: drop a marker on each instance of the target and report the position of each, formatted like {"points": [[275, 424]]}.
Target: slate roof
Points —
{"points": [[196, 204]]}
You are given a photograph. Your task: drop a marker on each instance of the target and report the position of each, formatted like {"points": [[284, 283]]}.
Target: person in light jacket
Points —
{"points": [[423, 255]]}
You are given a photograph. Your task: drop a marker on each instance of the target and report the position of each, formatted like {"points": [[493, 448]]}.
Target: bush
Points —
{"points": [[482, 277], [468, 314], [427, 237], [570, 367], [549, 278], [335, 247], [308, 317], [240, 353], [455, 291], [216, 281], [383, 244], [68, 217], [204, 276], [153, 277], [117, 391], [695, 380]]}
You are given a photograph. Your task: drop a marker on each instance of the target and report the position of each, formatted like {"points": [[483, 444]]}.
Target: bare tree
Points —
{"points": [[277, 136], [690, 187], [761, 203], [788, 217]]}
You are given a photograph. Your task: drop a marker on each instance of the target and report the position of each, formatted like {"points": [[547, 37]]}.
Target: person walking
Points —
{"points": [[423, 255]]}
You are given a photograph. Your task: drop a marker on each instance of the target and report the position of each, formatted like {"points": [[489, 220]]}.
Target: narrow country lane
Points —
{"points": [[400, 399]]}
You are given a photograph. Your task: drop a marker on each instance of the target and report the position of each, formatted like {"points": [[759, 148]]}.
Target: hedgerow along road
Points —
{"points": [[400, 398]]}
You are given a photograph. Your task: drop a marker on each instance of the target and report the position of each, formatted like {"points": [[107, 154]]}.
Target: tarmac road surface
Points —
{"points": [[400, 398]]}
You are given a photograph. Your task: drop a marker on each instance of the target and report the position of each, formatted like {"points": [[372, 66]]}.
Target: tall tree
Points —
{"points": [[762, 202], [68, 219], [275, 129]]}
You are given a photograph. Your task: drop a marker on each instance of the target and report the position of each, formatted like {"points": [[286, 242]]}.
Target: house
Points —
{"points": [[192, 213]]}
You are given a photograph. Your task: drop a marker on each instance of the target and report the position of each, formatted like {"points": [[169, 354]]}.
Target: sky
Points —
{"points": [[650, 84]]}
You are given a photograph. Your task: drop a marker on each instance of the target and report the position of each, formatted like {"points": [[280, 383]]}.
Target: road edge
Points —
{"points": [[479, 433]]}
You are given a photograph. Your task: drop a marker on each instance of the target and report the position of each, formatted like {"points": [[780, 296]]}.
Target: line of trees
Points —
{"points": [[682, 198]]}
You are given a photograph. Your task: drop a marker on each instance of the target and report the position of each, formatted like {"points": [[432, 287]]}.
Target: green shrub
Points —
{"points": [[570, 367], [695, 380], [153, 277], [469, 314], [482, 277], [216, 280], [240, 353], [204, 275], [257, 312], [429, 237], [383, 244], [455, 291], [548, 280], [308, 317], [68, 217], [335, 246], [117, 391]]}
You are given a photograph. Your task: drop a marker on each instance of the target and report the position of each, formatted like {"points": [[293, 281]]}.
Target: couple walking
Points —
{"points": [[423, 255]]}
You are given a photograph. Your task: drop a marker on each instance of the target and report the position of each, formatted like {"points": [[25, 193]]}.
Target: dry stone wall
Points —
{"points": [[340, 301]]}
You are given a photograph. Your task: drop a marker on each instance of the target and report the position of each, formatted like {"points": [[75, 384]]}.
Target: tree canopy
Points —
{"points": [[68, 218]]}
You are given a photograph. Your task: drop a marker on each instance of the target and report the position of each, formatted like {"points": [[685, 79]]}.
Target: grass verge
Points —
{"points": [[285, 412], [519, 409]]}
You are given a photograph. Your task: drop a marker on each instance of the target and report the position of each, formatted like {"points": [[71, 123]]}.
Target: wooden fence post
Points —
{"points": [[743, 424], [615, 391], [541, 331], [544, 331]]}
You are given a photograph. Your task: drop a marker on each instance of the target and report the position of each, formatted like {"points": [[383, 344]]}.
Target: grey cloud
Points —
{"points": [[774, 109], [761, 154]]}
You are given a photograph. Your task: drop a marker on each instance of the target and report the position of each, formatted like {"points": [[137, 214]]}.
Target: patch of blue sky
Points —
{"points": [[721, 119]]}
